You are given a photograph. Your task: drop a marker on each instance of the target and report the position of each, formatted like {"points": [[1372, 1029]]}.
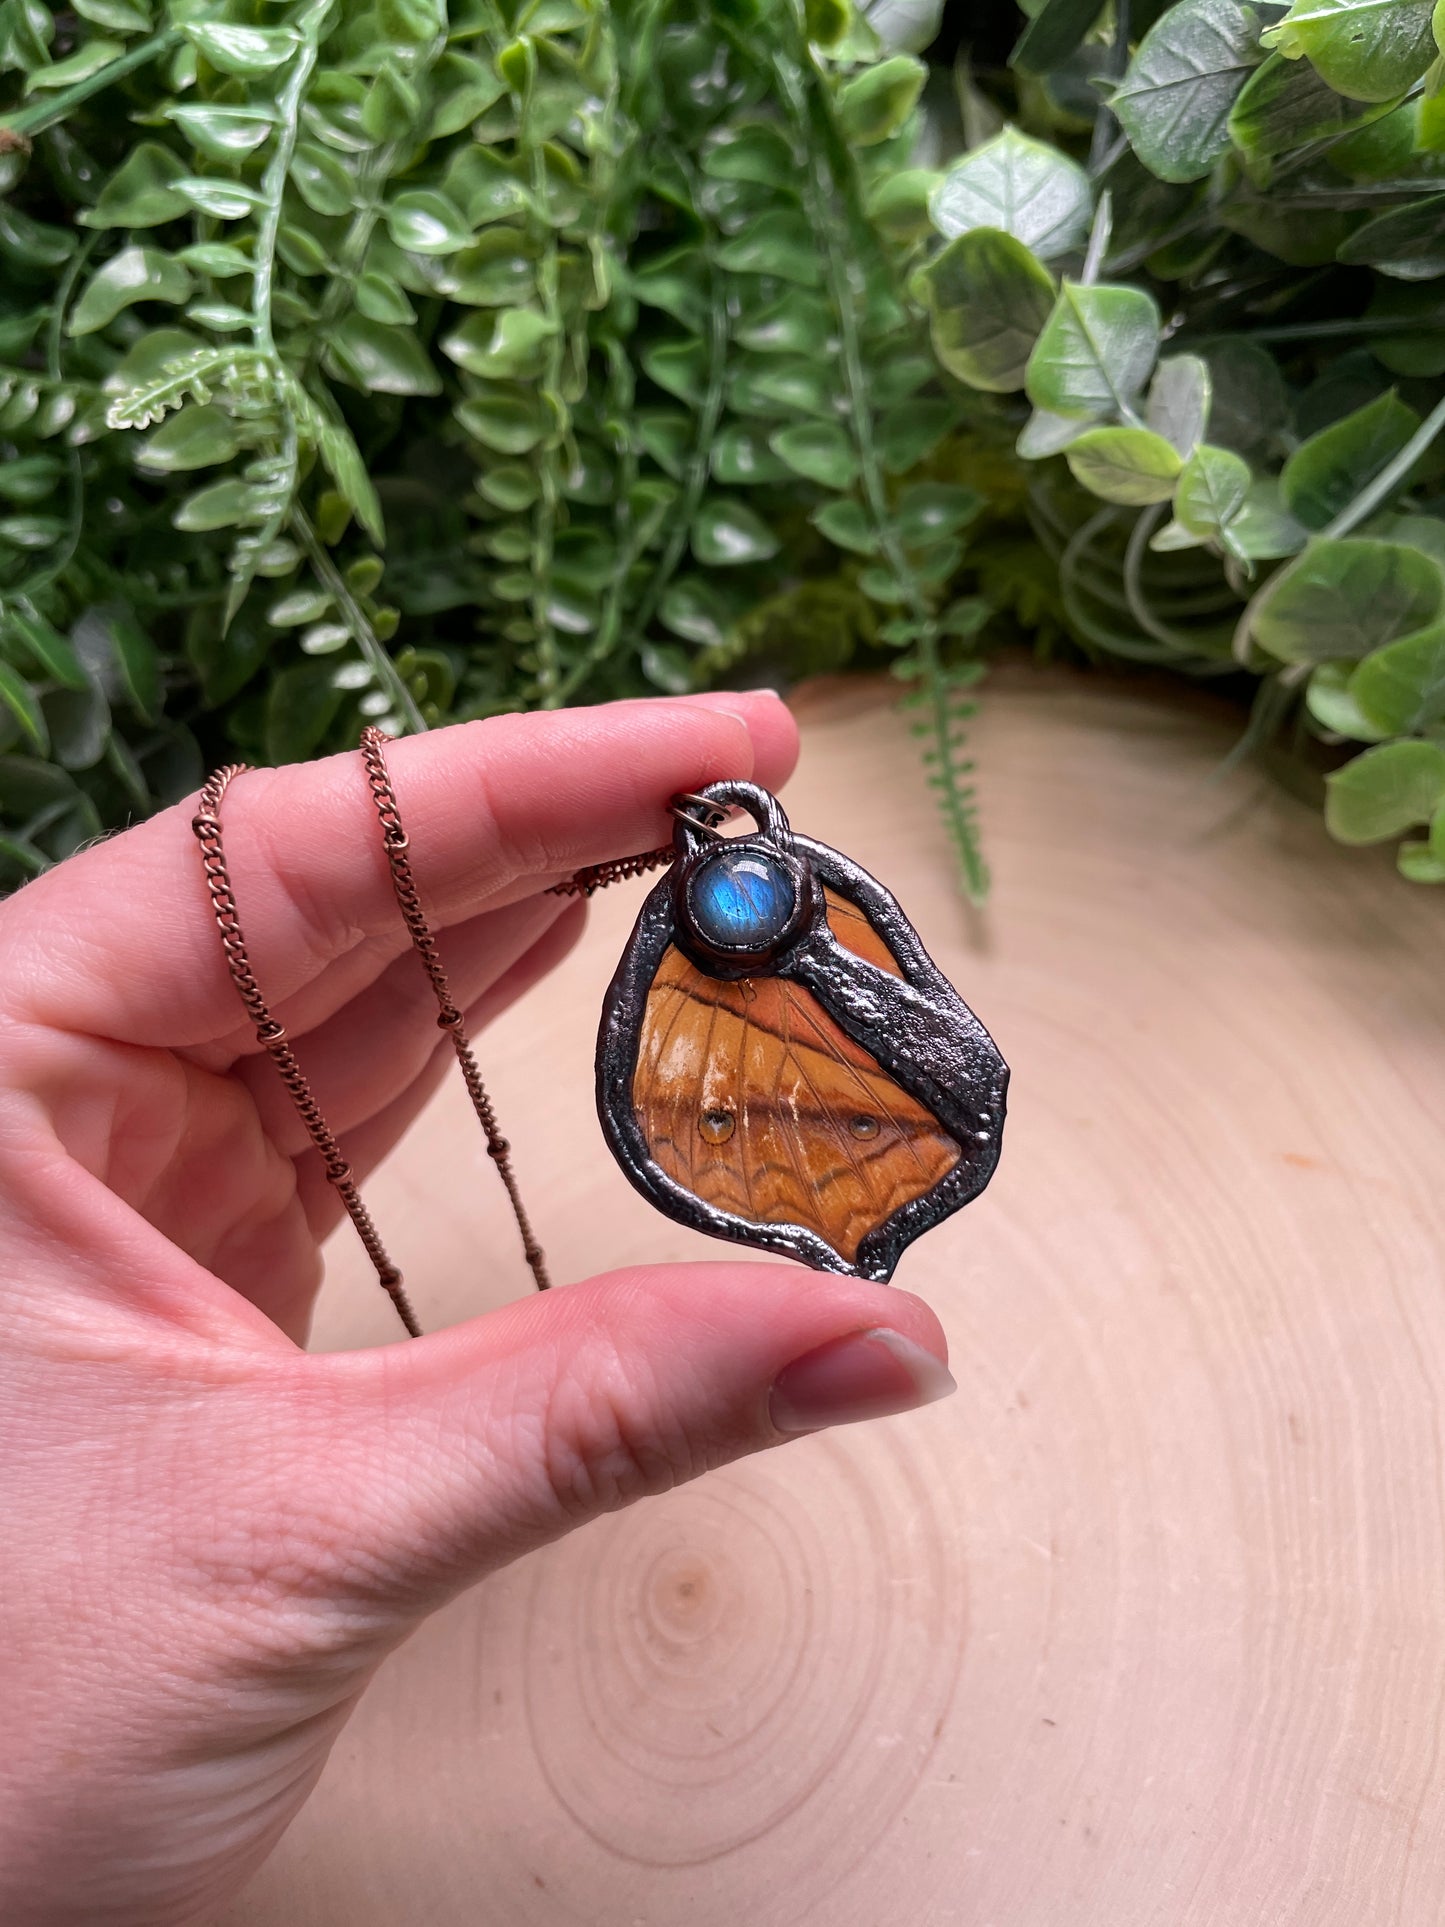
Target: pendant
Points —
{"points": [[780, 1061]]}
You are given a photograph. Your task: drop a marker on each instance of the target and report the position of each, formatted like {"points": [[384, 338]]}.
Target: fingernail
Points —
{"points": [[865, 1375]]}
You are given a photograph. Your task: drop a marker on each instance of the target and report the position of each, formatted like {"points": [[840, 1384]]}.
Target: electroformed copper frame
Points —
{"points": [[914, 1024]]}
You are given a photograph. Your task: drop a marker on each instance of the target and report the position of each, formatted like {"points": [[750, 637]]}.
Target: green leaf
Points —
{"points": [[1211, 492], [425, 222], [135, 274], [194, 437], [381, 360], [757, 151], [1175, 100], [220, 505], [678, 366], [381, 300], [1053, 34], [1285, 106], [142, 192], [1346, 597], [121, 16], [322, 179], [823, 452], [512, 424], [343, 463], [925, 511], [223, 133], [912, 430], [18, 697], [45, 647], [223, 200], [392, 106], [113, 636], [1384, 791], [847, 524], [1095, 352], [300, 707], [1264, 529], [1401, 688], [1178, 406], [779, 242], [726, 532], [1020, 186], [1326, 473], [741, 454], [988, 300], [511, 347], [1130, 465], [1407, 243], [874, 104], [219, 258], [80, 65], [1418, 863], [695, 609], [242, 50], [79, 722], [1328, 700], [1367, 49]]}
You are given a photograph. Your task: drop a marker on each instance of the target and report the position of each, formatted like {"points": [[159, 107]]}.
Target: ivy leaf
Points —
{"points": [[847, 524], [222, 133], [1130, 465], [740, 454], [194, 437], [1384, 791], [1052, 35], [18, 697], [85, 61], [1366, 49], [425, 222], [1346, 597], [779, 243], [381, 360], [823, 452], [1020, 186], [988, 299], [142, 192], [1178, 406], [1283, 107], [1175, 100], [247, 51], [874, 104], [1408, 242], [1400, 689], [1328, 700], [1211, 493], [726, 533], [1095, 352], [301, 705], [1326, 473], [135, 274]]}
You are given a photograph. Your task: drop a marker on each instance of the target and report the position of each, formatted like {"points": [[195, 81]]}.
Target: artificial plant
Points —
{"points": [[408, 360]]}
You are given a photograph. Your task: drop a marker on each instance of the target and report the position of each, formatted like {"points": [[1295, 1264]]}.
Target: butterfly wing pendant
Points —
{"points": [[780, 1061]]}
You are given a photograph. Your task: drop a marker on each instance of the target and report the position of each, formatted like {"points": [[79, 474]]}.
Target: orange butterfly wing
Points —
{"points": [[751, 1097]]}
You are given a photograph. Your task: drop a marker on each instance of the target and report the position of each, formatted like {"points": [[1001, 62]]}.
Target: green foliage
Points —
{"points": [[398, 360]]}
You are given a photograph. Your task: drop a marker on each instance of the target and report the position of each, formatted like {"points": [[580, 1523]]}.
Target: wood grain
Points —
{"points": [[1146, 1626]]}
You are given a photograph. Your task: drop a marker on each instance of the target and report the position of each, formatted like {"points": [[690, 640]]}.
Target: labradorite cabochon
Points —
{"points": [[740, 900]]}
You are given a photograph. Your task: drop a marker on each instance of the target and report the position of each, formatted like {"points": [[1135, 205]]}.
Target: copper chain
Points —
{"points": [[271, 1035]]}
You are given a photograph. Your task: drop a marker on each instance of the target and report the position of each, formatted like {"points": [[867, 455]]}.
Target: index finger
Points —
{"points": [[120, 940]]}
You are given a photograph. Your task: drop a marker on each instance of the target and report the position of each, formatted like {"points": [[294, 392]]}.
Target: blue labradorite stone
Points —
{"points": [[741, 900]]}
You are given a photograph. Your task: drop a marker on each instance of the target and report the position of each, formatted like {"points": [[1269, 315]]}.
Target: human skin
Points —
{"points": [[212, 1539]]}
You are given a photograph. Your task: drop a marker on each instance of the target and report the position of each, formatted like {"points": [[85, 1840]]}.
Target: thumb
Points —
{"points": [[466, 1449]]}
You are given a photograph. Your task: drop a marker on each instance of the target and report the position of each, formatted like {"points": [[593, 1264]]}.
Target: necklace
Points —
{"points": [[779, 1063]]}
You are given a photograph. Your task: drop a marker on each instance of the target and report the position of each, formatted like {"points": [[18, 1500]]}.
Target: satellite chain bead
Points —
{"points": [[271, 1035]]}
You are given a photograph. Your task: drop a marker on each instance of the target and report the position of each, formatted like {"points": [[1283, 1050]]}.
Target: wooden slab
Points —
{"points": [[1147, 1626]]}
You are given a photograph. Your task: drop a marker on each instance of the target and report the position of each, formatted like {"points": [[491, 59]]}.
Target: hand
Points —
{"points": [[213, 1539]]}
